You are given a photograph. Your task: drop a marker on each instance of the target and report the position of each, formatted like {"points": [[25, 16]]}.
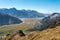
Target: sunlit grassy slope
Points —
{"points": [[48, 34]]}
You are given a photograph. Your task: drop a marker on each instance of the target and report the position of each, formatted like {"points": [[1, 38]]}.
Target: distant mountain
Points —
{"points": [[22, 13], [7, 20], [49, 21]]}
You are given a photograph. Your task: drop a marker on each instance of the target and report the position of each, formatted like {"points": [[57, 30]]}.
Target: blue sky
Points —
{"points": [[43, 6]]}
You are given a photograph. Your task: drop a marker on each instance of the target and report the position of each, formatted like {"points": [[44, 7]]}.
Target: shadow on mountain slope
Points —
{"points": [[6, 19]]}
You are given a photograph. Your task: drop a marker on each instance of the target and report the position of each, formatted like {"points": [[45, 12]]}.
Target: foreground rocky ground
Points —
{"points": [[48, 34]]}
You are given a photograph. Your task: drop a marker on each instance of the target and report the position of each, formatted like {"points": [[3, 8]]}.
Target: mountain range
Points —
{"points": [[22, 13], [6, 19]]}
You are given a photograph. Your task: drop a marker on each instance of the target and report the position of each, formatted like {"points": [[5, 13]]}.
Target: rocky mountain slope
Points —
{"points": [[48, 22]]}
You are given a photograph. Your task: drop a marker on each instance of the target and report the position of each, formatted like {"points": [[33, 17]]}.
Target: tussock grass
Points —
{"points": [[48, 34]]}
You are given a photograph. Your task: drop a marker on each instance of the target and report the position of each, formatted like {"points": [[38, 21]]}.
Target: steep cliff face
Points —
{"points": [[7, 19]]}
